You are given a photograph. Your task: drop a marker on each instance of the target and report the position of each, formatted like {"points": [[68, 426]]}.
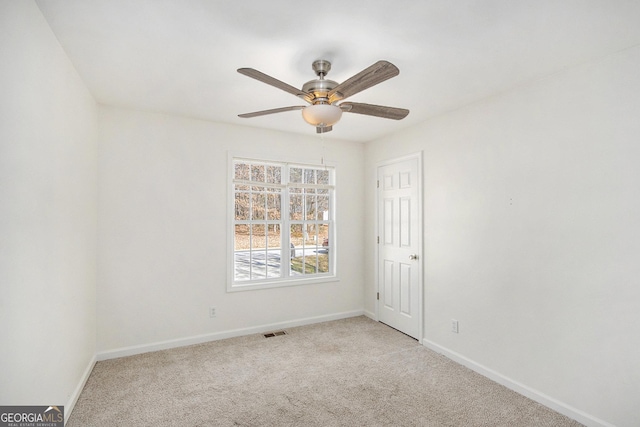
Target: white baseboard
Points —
{"points": [[199, 339], [68, 408], [371, 315], [549, 402]]}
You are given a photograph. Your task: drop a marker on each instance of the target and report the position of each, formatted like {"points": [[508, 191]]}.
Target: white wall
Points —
{"points": [[48, 223], [162, 231], [532, 234]]}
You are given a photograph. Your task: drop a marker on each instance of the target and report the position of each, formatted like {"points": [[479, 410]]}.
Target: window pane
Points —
{"points": [[273, 235], [273, 207], [258, 236], [323, 236], [297, 249], [323, 263], [258, 265], [258, 201], [241, 255], [296, 208], [257, 173], [309, 176], [323, 208], [241, 237], [274, 264], [242, 206], [274, 174], [295, 175], [242, 266], [310, 207], [323, 176], [296, 236], [311, 236], [242, 171]]}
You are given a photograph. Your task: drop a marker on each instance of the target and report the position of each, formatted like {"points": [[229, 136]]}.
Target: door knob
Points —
{"points": [[413, 257]]}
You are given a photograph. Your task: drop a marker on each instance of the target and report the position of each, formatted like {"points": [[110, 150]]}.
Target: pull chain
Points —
{"points": [[322, 153]]}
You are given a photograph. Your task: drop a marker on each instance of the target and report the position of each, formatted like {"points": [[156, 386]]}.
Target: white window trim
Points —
{"points": [[232, 285]]}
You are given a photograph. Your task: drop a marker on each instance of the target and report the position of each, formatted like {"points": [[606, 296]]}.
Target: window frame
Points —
{"points": [[285, 278]]}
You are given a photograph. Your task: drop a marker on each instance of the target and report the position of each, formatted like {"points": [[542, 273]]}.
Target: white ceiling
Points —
{"points": [[181, 56]]}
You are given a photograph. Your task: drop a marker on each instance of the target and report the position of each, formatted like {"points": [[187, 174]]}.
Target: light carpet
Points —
{"points": [[351, 372]]}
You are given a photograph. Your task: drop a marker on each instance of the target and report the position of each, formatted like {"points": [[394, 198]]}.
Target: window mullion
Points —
{"points": [[286, 226], [251, 251]]}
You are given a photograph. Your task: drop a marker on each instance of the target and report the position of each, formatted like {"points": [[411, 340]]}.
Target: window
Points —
{"points": [[283, 228]]}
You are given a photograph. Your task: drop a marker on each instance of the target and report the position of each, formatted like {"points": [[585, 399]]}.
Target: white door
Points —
{"points": [[400, 245]]}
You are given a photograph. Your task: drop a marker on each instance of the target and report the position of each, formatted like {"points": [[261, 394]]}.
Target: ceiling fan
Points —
{"points": [[324, 95]]}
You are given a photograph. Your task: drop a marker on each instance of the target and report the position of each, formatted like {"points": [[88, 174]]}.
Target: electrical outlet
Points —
{"points": [[212, 312], [454, 326]]}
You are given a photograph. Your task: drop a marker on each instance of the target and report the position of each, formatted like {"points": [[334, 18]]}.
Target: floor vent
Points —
{"points": [[275, 334]]}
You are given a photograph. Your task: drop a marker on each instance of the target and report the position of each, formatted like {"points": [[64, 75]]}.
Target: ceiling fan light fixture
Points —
{"points": [[322, 115]]}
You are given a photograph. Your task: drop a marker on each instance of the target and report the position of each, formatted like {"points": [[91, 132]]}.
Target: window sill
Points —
{"points": [[277, 283]]}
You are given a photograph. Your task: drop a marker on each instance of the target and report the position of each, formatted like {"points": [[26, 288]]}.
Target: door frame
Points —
{"points": [[418, 157]]}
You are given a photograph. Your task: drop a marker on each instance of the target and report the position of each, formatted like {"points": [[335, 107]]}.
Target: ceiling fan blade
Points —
{"points": [[273, 111], [258, 75], [371, 76], [375, 110]]}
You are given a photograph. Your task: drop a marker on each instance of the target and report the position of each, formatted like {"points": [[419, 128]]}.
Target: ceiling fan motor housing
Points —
{"points": [[320, 89]]}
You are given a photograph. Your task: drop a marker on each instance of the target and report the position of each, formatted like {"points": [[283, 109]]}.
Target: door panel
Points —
{"points": [[400, 246], [405, 289], [405, 222], [388, 284], [387, 221]]}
